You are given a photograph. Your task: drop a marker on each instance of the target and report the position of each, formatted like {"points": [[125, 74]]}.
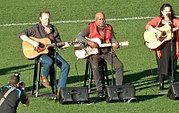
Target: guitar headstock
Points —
{"points": [[124, 43], [77, 44]]}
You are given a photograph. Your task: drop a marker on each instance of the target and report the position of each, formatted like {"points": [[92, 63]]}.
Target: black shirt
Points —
{"points": [[38, 31], [12, 100]]}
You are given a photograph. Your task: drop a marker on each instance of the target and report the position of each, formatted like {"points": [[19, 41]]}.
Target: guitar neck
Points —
{"points": [[111, 44], [98, 41], [106, 44], [56, 44]]}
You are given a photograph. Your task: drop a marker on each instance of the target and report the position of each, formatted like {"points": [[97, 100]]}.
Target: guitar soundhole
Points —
{"points": [[41, 45], [164, 35]]}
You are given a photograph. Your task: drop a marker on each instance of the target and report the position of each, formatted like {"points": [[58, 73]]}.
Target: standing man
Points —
{"points": [[99, 29], [11, 94], [168, 51], [43, 30]]}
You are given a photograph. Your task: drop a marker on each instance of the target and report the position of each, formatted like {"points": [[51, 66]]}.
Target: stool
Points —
{"points": [[89, 74], [36, 78]]}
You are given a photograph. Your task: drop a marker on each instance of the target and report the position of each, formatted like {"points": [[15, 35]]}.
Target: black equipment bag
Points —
{"points": [[74, 95], [124, 92], [173, 92]]}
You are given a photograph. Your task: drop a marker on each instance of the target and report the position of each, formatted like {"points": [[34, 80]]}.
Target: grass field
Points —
{"points": [[139, 62]]}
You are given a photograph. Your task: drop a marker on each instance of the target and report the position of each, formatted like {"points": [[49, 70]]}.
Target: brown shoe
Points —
{"points": [[45, 82]]}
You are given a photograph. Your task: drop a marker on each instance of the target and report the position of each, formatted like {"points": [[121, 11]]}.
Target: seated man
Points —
{"points": [[46, 30], [99, 29], [11, 94]]}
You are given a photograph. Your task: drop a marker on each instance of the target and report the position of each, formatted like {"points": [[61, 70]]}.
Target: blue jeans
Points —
{"points": [[47, 61]]}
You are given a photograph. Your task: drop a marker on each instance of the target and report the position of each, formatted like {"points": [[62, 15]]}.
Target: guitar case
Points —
{"points": [[124, 92], [74, 95]]}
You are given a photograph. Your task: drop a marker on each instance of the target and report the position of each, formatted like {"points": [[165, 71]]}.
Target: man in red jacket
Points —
{"points": [[99, 29]]}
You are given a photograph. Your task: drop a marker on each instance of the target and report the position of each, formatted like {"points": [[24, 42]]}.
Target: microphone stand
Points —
{"points": [[172, 56], [171, 49], [55, 66], [112, 64]]}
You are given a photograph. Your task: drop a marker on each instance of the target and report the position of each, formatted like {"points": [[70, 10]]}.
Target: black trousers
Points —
{"points": [[165, 61], [110, 58]]}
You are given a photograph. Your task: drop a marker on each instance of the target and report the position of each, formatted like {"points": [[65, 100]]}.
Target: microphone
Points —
{"points": [[170, 18], [168, 15]]}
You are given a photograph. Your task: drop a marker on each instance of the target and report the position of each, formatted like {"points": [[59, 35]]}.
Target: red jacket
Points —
{"points": [[156, 22], [94, 33]]}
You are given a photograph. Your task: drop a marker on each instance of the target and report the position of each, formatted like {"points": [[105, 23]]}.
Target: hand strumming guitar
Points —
{"points": [[35, 44], [159, 33]]}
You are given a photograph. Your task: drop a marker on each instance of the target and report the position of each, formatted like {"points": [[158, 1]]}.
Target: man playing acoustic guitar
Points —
{"points": [[99, 29], [168, 51], [44, 30]]}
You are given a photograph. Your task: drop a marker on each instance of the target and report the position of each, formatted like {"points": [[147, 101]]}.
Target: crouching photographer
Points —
{"points": [[11, 94]]}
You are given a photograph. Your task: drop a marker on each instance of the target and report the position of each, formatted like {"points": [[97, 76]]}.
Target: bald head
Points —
{"points": [[100, 19], [99, 14]]}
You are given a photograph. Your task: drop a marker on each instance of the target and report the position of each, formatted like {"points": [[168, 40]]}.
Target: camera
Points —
{"points": [[17, 75], [21, 84]]}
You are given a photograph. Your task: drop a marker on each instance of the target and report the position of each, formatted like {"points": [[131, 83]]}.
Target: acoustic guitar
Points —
{"points": [[151, 40], [84, 52], [44, 43]]}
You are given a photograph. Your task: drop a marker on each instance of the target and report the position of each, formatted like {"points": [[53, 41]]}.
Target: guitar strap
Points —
{"points": [[6, 94], [103, 35]]}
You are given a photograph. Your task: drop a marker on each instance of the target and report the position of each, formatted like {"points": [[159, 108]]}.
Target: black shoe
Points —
{"points": [[161, 86], [101, 94]]}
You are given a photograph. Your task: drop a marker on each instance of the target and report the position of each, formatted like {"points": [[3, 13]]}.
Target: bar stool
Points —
{"points": [[36, 78], [89, 75]]}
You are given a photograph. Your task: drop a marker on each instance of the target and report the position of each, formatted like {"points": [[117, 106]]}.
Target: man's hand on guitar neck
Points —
{"points": [[66, 44], [116, 45], [93, 44]]}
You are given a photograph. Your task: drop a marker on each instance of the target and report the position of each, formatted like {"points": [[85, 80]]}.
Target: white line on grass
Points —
{"points": [[77, 21]]}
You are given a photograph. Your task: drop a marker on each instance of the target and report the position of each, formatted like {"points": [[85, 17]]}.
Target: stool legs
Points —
{"points": [[89, 75], [105, 73], [36, 79], [53, 79], [37, 75], [86, 74]]}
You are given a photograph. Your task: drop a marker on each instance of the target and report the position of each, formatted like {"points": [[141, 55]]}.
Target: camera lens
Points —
{"points": [[21, 83], [17, 74]]}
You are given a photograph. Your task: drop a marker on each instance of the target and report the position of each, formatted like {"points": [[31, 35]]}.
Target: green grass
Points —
{"points": [[139, 62]]}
